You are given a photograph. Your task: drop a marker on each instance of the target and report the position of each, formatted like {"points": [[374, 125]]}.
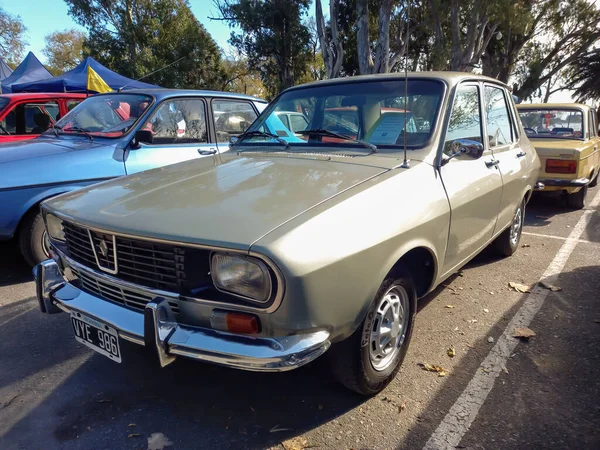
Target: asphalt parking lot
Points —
{"points": [[499, 392]]}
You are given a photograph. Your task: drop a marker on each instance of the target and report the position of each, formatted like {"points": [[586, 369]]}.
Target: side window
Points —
{"points": [[592, 124], [181, 121], [9, 123], [285, 120], [232, 118], [465, 118], [37, 117], [497, 117]]}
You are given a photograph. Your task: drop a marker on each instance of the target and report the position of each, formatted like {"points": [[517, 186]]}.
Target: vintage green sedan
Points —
{"points": [[301, 242]]}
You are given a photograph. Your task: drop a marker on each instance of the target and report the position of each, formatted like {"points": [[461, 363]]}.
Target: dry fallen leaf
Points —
{"points": [[524, 333], [277, 428], [402, 407], [523, 288], [451, 352], [526, 245], [485, 310], [552, 287], [158, 441], [432, 368], [132, 435], [490, 339], [297, 443], [450, 306]]}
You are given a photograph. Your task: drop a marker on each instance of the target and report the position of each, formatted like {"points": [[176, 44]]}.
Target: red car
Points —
{"points": [[27, 115]]}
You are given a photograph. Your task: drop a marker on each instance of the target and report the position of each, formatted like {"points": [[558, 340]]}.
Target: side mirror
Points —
{"points": [[233, 140], [142, 136], [467, 147]]}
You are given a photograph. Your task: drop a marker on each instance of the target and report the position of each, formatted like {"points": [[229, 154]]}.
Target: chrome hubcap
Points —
{"points": [[515, 229], [388, 329]]}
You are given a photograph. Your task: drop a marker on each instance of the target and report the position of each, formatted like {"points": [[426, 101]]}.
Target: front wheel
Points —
{"points": [[33, 241], [370, 358], [508, 242]]}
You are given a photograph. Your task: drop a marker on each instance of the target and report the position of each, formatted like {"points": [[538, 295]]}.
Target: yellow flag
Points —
{"points": [[95, 82]]}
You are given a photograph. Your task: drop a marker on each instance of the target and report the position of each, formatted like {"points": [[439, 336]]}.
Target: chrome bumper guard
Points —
{"points": [[579, 182], [157, 328]]}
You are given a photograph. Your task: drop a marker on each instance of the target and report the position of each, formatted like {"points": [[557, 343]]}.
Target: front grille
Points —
{"points": [[166, 267], [102, 288]]}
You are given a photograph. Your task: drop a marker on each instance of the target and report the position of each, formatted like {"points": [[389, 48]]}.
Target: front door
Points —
{"points": [[473, 186], [179, 133]]}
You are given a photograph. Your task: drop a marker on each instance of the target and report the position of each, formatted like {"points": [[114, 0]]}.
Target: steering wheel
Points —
{"points": [[529, 130]]}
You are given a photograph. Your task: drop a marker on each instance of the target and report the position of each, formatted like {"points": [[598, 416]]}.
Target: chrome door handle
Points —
{"points": [[492, 163], [212, 151], [521, 154]]}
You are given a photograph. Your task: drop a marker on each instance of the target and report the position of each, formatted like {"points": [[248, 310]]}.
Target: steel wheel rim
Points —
{"points": [[515, 228], [388, 329]]}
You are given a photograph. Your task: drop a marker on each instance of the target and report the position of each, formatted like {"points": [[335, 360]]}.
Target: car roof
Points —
{"points": [[552, 106], [451, 78], [162, 93], [36, 95]]}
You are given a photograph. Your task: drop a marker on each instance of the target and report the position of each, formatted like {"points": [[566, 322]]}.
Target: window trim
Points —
{"points": [[182, 144], [513, 134]]}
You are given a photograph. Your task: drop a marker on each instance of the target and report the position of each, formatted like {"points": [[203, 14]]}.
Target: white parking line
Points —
{"points": [[560, 238], [453, 427], [17, 315]]}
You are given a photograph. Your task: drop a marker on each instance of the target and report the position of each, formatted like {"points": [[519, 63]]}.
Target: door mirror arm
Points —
{"points": [[468, 147], [141, 136]]}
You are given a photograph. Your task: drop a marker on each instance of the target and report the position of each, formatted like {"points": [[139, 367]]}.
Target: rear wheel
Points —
{"points": [[370, 358], [33, 241], [577, 200], [594, 181], [508, 242]]}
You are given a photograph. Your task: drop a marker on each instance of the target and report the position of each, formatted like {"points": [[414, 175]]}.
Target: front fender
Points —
{"points": [[17, 202]]}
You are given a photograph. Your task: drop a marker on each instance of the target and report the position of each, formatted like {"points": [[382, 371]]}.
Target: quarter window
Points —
{"points": [[592, 124], [497, 117], [465, 119], [181, 121], [232, 118]]}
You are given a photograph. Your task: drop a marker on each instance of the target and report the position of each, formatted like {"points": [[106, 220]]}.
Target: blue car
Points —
{"points": [[108, 136]]}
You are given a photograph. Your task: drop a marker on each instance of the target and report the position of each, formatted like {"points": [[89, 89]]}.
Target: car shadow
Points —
{"points": [[13, 268]]}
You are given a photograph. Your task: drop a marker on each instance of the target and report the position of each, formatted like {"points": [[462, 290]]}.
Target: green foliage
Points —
{"points": [[136, 38], [274, 39], [12, 38], [63, 50]]}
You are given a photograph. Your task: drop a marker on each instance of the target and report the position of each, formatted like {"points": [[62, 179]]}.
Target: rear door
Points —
{"points": [[504, 141], [180, 132], [231, 118], [473, 185]]}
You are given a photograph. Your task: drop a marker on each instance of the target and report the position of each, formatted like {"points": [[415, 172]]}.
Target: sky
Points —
{"points": [[42, 17]]}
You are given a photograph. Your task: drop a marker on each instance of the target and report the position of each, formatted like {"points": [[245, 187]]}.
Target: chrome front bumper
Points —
{"points": [[157, 328]]}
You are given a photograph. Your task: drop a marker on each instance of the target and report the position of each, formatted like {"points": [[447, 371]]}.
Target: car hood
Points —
{"points": [[34, 148], [229, 204]]}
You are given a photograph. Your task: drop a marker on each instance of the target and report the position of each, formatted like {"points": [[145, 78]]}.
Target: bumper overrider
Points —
{"points": [[156, 328]]}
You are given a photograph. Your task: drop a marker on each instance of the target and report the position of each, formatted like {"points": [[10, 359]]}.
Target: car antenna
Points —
{"points": [[151, 73], [405, 164]]}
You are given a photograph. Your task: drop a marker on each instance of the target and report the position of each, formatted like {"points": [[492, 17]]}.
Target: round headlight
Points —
{"points": [[55, 228], [242, 276]]}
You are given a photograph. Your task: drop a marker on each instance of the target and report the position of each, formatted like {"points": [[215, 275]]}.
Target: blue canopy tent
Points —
{"points": [[5, 71], [75, 80], [30, 69]]}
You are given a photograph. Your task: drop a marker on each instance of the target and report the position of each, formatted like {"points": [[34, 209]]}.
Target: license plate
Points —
{"points": [[96, 335]]}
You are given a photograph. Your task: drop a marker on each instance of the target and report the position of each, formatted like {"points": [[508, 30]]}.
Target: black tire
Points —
{"points": [[508, 242], [577, 200], [594, 181], [350, 359], [31, 238]]}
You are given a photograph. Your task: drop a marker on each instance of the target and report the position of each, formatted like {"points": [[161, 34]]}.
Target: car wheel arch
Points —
{"points": [[34, 204]]}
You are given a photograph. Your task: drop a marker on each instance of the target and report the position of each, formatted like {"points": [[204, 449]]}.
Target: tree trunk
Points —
{"points": [[456, 51], [382, 53], [365, 60], [333, 52]]}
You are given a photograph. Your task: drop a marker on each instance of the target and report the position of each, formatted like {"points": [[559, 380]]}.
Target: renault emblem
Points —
{"points": [[103, 248]]}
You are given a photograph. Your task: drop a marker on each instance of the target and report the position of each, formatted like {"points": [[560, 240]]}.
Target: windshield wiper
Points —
{"points": [[250, 134], [80, 130], [323, 132], [55, 129]]}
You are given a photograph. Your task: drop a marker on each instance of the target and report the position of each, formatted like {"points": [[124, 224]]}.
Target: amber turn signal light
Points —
{"points": [[560, 166], [235, 322]]}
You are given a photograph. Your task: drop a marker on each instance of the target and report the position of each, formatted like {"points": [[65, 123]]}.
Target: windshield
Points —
{"points": [[105, 115], [552, 123], [371, 111]]}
